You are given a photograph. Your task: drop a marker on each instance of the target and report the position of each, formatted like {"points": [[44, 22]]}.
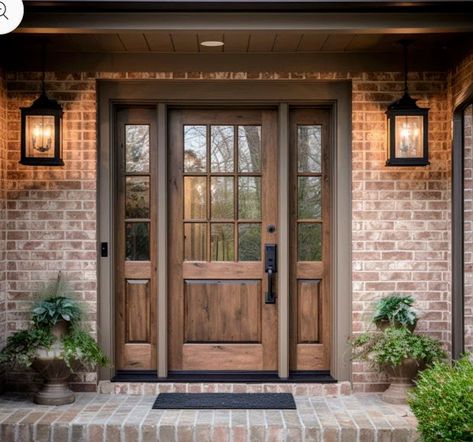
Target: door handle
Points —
{"points": [[270, 267]]}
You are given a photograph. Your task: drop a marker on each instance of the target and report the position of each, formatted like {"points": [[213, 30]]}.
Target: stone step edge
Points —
{"points": [[299, 389]]}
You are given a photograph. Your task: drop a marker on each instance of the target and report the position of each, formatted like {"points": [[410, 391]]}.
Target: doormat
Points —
{"points": [[220, 401]]}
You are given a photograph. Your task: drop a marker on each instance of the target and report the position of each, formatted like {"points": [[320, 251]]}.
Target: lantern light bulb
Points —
{"points": [[405, 132]]}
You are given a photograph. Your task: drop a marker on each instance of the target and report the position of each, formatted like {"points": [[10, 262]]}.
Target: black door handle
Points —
{"points": [[270, 267]]}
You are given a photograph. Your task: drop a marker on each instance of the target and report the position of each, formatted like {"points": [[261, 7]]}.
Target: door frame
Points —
{"points": [[334, 95], [461, 102]]}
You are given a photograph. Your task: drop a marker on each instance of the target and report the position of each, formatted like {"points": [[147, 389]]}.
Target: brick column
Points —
{"points": [[3, 205], [52, 210]]}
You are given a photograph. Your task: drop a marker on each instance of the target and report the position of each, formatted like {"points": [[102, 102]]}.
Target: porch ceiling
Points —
{"points": [[258, 51], [238, 42], [114, 40]]}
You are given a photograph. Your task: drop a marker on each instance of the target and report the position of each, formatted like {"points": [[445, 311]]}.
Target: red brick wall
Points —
{"points": [[401, 216], [460, 79], [52, 211], [3, 202]]}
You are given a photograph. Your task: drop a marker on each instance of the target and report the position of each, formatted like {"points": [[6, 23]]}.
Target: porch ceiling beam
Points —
{"points": [[360, 23], [246, 5], [200, 62]]}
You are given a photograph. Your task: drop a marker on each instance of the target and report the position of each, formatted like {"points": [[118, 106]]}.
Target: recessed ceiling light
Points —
{"points": [[212, 43]]}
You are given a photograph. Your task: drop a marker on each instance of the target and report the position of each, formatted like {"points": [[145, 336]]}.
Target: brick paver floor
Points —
{"points": [[129, 418]]}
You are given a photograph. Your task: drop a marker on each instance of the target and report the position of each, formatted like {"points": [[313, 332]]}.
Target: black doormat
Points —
{"points": [[219, 401]]}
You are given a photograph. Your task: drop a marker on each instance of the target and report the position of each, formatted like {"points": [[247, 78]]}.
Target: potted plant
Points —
{"points": [[395, 349], [395, 310], [55, 345]]}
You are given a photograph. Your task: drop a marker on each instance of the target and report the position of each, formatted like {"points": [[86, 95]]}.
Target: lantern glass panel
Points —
{"points": [[409, 136], [40, 136]]}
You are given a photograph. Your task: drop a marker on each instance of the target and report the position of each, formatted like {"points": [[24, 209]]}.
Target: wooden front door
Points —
{"points": [[223, 192]]}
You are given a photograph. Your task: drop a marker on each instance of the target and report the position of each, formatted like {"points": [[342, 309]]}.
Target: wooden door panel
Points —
{"points": [[310, 239], [135, 238], [136, 269], [215, 270], [223, 195], [222, 311], [137, 310], [308, 309], [312, 357], [223, 357], [136, 356]]}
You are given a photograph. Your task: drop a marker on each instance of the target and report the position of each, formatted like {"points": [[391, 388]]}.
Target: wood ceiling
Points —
{"points": [[235, 42]]}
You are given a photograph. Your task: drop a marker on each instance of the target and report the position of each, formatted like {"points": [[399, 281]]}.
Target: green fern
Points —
{"points": [[23, 344], [80, 347]]}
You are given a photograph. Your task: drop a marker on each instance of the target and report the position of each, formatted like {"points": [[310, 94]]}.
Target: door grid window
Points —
{"points": [[222, 192]]}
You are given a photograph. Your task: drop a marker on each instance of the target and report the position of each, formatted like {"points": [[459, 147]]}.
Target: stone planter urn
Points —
{"points": [[49, 363], [401, 380]]}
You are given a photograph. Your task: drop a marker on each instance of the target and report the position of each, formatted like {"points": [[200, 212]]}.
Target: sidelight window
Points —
{"points": [[309, 193], [137, 192]]}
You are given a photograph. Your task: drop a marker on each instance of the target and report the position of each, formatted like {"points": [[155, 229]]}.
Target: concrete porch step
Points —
{"points": [[130, 418], [299, 389]]}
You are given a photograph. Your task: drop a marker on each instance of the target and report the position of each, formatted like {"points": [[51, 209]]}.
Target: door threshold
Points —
{"points": [[246, 377]]}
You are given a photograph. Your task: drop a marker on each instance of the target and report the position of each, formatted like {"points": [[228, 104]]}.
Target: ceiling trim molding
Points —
{"points": [[202, 62], [246, 5], [360, 23]]}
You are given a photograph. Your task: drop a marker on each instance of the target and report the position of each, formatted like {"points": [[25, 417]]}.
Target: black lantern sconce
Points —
{"points": [[41, 131], [408, 140]]}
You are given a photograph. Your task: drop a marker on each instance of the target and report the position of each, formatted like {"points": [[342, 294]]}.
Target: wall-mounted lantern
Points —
{"points": [[408, 140], [41, 131]]}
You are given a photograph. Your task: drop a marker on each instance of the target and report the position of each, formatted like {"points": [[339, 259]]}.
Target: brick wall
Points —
{"points": [[460, 79], [52, 211], [401, 216], [3, 202]]}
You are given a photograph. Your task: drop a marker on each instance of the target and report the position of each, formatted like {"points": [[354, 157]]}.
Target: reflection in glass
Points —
{"points": [[309, 149], [249, 148], [249, 242], [249, 197], [195, 148], [221, 242], [309, 242], [195, 241], [137, 148], [221, 189], [195, 197], [409, 136], [221, 148], [137, 241], [137, 197], [309, 196]]}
